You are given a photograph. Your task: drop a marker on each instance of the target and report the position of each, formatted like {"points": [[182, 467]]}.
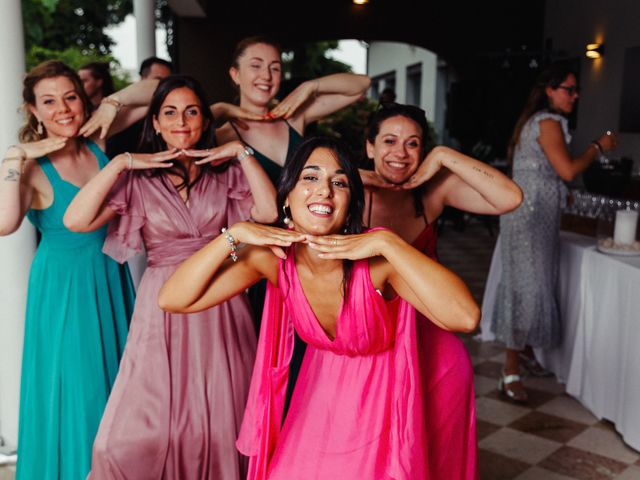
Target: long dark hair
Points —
{"points": [[150, 142], [49, 69], [552, 76], [291, 174], [391, 110]]}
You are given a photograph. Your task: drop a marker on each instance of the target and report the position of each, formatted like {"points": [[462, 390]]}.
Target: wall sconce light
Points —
{"points": [[595, 50], [360, 2]]}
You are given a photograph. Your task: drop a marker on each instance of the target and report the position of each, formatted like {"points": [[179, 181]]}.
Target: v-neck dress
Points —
{"points": [[79, 303], [177, 403], [356, 410]]}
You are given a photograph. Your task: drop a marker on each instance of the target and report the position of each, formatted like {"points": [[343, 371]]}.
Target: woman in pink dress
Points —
{"points": [[407, 191], [356, 411], [177, 403]]}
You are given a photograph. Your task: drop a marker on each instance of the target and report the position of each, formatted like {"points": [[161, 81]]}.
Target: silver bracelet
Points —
{"points": [[130, 160], [245, 153], [232, 244]]}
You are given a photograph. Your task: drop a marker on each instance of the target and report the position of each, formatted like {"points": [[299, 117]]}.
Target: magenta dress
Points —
{"points": [[356, 410], [448, 393], [177, 403]]}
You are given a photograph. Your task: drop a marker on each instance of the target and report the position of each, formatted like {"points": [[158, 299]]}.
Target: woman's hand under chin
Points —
{"points": [[350, 247]]}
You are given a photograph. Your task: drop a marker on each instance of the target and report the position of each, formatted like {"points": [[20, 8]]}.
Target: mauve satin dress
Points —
{"points": [[177, 403], [356, 410]]}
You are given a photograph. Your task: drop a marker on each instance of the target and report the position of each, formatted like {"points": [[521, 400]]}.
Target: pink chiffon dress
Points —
{"points": [[177, 403], [448, 394], [356, 410]]}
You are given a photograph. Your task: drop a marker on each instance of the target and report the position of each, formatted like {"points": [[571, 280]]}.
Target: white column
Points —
{"points": [[143, 10], [16, 250]]}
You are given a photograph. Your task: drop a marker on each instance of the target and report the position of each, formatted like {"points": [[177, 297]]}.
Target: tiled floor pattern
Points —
{"points": [[552, 437]]}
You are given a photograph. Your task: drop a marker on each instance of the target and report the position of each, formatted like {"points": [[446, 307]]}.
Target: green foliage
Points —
{"points": [[310, 60], [59, 24], [75, 58], [349, 124]]}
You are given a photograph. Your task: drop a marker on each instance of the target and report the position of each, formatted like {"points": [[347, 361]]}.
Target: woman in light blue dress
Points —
{"points": [[79, 300], [526, 312]]}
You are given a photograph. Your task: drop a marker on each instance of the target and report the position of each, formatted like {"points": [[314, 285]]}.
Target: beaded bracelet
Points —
{"points": [[232, 244]]}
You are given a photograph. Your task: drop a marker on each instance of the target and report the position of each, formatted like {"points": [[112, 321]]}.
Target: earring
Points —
{"points": [[286, 220], [157, 132], [40, 128]]}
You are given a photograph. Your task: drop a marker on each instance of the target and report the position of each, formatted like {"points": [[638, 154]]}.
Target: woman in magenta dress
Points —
{"points": [[356, 411], [177, 403], [407, 191]]}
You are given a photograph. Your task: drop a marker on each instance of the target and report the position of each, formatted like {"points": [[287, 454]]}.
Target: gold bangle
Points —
{"points": [[113, 102]]}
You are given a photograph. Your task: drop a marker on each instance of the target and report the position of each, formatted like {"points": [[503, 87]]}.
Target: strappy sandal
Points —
{"points": [[532, 366], [505, 386]]}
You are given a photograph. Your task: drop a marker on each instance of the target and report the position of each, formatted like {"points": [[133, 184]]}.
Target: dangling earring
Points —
{"points": [[286, 220], [40, 128]]}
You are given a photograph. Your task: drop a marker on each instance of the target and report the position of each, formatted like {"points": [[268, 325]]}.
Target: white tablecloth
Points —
{"points": [[599, 357]]}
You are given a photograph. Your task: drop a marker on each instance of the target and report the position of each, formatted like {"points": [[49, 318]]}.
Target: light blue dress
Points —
{"points": [[79, 304], [526, 308]]}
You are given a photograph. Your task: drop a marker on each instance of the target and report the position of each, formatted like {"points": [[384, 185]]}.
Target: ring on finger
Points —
{"points": [[335, 242]]}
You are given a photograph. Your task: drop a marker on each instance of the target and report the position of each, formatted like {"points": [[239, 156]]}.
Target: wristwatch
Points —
{"points": [[245, 153]]}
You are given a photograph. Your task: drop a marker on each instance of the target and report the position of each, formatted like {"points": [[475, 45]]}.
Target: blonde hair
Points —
{"points": [[49, 69]]}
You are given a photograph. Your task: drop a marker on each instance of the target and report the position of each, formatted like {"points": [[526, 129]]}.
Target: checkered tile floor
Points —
{"points": [[553, 437]]}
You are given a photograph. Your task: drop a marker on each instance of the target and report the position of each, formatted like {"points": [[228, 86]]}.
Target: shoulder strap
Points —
{"points": [[97, 151], [49, 170]]}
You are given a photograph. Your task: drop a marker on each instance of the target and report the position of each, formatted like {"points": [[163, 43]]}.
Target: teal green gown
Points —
{"points": [[79, 303]]}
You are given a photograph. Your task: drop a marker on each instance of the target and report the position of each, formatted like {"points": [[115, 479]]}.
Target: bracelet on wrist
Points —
{"points": [[232, 244], [129, 160], [245, 153], [596, 144], [113, 102]]}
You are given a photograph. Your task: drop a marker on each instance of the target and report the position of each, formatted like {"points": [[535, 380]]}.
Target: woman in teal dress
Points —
{"points": [[79, 301]]}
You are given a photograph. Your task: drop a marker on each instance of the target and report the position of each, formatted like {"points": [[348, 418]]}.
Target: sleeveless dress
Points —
{"points": [[526, 307], [78, 308], [271, 168], [177, 403], [447, 391], [356, 411]]}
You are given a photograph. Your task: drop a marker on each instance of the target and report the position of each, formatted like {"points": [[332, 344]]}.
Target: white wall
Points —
{"points": [[572, 24], [385, 57], [17, 249]]}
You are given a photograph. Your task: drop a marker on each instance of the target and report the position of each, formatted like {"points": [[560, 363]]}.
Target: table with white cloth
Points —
{"points": [[599, 355]]}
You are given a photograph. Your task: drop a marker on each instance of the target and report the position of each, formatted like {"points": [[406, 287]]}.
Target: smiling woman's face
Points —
{"points": [[319, 202], [397, 149], [258, 74], [58, 106], [180, 120]]}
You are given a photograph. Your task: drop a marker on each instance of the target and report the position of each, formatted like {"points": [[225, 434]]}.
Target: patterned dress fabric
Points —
{"points": [[526, 308], [447, 392], [177, 403], [79, 304], [356, 410]]}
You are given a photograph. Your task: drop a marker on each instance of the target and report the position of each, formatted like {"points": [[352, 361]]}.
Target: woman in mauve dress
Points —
{"points": [[178, 400], [356, 410]]}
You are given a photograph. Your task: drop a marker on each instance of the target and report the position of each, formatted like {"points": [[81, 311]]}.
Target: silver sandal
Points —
{"points": [[503, 386]]}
